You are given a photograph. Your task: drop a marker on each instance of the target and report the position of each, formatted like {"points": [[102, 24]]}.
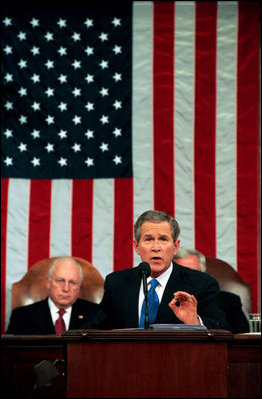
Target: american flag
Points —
{"points": [[111, 109]]}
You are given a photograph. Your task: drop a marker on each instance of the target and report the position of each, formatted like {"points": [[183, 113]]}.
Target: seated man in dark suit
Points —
{"points": [[229, 302], [183, 295], [62, 309]]}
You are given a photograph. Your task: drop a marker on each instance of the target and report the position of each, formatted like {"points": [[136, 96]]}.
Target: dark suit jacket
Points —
{"points": [[36, 318], [120, 300], [232, 306]]}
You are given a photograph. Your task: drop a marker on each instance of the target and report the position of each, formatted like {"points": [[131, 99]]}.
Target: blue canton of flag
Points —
{"points": [[66, 85]]}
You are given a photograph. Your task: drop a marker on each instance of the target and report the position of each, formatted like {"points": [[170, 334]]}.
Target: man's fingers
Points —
{"points": [[181, 297]]}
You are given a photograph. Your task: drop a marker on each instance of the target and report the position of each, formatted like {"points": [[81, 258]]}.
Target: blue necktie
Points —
{"points": [[153, 305]]}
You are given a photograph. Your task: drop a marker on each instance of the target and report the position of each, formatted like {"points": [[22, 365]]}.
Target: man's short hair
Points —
{"points": [[186, 252], [156, 217], [58, 260]]}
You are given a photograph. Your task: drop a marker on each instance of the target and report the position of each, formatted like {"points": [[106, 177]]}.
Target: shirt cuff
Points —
{"points": [[201, 322]]}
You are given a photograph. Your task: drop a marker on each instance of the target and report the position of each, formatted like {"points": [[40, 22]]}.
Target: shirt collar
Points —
{"points": [[163, 278], [54, 309]]}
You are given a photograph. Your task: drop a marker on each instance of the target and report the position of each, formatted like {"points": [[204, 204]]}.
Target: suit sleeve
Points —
{"points": [[209, 308], [18, 325], [232, 306]]}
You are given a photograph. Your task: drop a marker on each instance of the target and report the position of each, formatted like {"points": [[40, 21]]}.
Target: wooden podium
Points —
{"points": [[134, 364], [148, 364]]}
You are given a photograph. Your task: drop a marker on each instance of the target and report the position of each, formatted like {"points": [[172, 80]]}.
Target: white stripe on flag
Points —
{"points": [[103, 226], [184, 119], [61, 211], [226, 132], [17, 235], [142, 120]]}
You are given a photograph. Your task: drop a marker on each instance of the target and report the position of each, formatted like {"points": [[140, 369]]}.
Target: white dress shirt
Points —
{"points": [[160, 288], [54, 313]]}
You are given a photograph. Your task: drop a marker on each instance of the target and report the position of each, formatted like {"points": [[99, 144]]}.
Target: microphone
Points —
{"points": [[144, 271]]}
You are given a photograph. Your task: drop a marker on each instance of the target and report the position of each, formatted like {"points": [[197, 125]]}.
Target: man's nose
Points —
{"points": [[66, 286], [156, 245]]}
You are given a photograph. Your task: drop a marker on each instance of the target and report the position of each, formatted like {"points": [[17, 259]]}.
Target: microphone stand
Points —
{"points": [[146, 302]]}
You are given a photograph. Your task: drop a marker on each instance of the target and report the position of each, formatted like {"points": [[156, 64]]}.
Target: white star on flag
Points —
{"points": [[89, 106], [62, 161], [50, 119], [62, 106], [23, 119], [35, 50], [22, 147], [35, 78], [49, 147], [35, 106], [22, 64], [9, 105], [77, 120], [21, 36], [8, 161], [34, 22], [89, 78], [88, 22], [49, 36], [104, 147], [104, 119], [89, 50], [35, 161], [62, 134], [61, 23], [8, 50], [8, 133], [62, 51], [76, 147], [117, 160], [89, 162], [89, 134], [35, 133]]}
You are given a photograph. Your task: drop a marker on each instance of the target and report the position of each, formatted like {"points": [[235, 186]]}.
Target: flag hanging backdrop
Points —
{"points": [[110, 111]]}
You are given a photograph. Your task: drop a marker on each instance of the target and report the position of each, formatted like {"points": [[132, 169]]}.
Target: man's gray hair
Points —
{"points": [[186, 252], [156, 217], [61, 259]]}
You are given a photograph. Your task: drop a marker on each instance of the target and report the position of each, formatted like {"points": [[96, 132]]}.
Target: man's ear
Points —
{"points": [[48, 282], [177, 245], [136, 246]]}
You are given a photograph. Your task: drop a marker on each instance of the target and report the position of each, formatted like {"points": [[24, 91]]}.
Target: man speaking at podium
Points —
{"points": [[176, 294]]}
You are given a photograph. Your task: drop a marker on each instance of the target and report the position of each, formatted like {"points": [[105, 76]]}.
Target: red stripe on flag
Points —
{"points": [[4, 201], [205, 116], [247, 143], [164, 106], [123, 223], [39, 221], [82, 217]]}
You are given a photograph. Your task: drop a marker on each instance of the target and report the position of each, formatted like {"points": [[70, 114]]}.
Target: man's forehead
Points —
{"points": [[150, 228], [65, 267]]}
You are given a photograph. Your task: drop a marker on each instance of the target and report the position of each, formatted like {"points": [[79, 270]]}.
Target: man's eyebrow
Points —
{"points": [[160, 235]]}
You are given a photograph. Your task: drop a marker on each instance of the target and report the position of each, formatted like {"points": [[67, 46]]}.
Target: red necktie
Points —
{"points": [[60, 323]]}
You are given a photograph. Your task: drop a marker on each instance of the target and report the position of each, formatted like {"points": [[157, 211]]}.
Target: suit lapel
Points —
{"points": [[132, 297], [173, 285], [76, 320], [43, 319]]}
